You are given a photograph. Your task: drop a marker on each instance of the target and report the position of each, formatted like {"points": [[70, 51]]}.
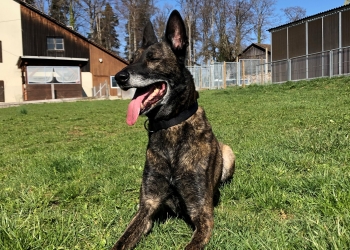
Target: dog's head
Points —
{"points": [[164, 87]]}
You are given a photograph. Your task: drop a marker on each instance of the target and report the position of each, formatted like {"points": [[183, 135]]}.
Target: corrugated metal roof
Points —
{"points": [[316, 16], [33, 8]]}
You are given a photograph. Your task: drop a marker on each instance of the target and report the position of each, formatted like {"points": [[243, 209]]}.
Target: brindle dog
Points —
{"points": [[185, 163]]}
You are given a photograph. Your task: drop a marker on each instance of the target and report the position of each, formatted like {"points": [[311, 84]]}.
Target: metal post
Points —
{"points": [[200, 78], [340, 54], [307, 50], [289, 67], [330, 63], [239, 73], [224, 75]]}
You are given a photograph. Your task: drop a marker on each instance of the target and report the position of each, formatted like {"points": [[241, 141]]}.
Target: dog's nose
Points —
{"points": [[122, 77]]}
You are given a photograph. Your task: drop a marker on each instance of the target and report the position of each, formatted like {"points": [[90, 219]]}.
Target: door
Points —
{"points": [[2, 92]]}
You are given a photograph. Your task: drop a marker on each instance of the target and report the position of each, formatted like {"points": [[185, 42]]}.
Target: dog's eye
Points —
{"points": [[151, 56]]}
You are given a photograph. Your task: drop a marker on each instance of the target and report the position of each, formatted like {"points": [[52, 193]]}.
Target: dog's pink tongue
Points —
{"points": [[134, 109]]}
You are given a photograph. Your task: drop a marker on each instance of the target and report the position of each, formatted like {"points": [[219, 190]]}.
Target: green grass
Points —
{"points": [[70, 172]]}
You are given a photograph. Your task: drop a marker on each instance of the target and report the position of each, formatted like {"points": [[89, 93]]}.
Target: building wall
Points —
{"points": [[297, 40], [103, 66], [11, 39], [345, 20], [322, 34], [316, 46], [86, 80], [35, 30], [254, 53], [279, 45], [315, 36], [24, 32]]}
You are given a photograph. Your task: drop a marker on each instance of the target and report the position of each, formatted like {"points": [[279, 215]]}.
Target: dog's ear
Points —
{"points": [[175, 35], [149, 36]]}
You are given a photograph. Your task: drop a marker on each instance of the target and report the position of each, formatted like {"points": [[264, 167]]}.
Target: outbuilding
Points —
{"points": [[41, 58], [312, 47]]}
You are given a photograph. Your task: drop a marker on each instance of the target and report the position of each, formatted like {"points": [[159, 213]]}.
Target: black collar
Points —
{"points": [[154, 126]]}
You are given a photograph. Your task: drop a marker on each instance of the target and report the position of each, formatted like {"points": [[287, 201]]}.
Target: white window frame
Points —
{"points": [[55, 41], [53, 75], [112, 80]]}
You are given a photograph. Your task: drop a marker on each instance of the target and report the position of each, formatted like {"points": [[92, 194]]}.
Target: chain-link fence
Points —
{"points": [[329, 63], [222, 74]]}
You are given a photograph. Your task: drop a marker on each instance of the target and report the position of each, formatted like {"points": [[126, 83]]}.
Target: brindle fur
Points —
{"points": [[185, 164]]}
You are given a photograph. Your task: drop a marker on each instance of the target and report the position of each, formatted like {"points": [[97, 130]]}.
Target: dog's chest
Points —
{"points": [[183, 146]]}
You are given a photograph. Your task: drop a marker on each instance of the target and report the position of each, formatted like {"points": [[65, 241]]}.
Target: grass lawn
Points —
{"points": [[70, 172]]}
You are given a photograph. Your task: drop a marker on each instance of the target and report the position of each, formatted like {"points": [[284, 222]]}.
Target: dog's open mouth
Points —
{"points": [[144, 99]]}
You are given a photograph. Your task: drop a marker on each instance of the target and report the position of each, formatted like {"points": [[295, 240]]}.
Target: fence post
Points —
{"points": [[340, 59], [243, 73], [289, 63], [224, 75], [239, 73], [200, 78], [331, 63], [307, 67], [107, 89]]}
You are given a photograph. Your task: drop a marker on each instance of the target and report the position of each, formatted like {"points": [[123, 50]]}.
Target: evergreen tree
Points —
{"points": [[109, 36], [59, 9]]}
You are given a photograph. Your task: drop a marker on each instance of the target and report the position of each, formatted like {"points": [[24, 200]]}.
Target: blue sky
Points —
{"points": [[312, 6]]}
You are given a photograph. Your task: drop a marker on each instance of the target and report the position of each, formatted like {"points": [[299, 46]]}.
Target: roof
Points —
{"points": [[261, 46], [316, 16], [23, 59], [33, 8]]}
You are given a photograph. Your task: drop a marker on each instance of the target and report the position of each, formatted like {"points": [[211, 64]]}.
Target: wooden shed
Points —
{"points": [[52, 60], [257, 51]]}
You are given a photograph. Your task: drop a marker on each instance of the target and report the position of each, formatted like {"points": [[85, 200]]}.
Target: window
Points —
{"points": [[114, 83], [53, 74], [55, 43], [0, 52]]}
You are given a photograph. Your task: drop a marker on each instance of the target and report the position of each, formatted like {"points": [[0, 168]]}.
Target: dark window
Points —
{"points": [[55, 43], [114, 83], [0, 52]]}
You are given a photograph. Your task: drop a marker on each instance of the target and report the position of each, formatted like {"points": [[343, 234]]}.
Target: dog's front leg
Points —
{"points": [[140, 225], [203, 222], [152, 194]]}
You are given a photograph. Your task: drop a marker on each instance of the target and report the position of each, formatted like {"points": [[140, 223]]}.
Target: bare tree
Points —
{"points": [[263, 11], [206, 24], [294, 13], [224, 26], [93, 11], [160, 20], [242, 19], [135, 14], [42, 5], [190, 9]]}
